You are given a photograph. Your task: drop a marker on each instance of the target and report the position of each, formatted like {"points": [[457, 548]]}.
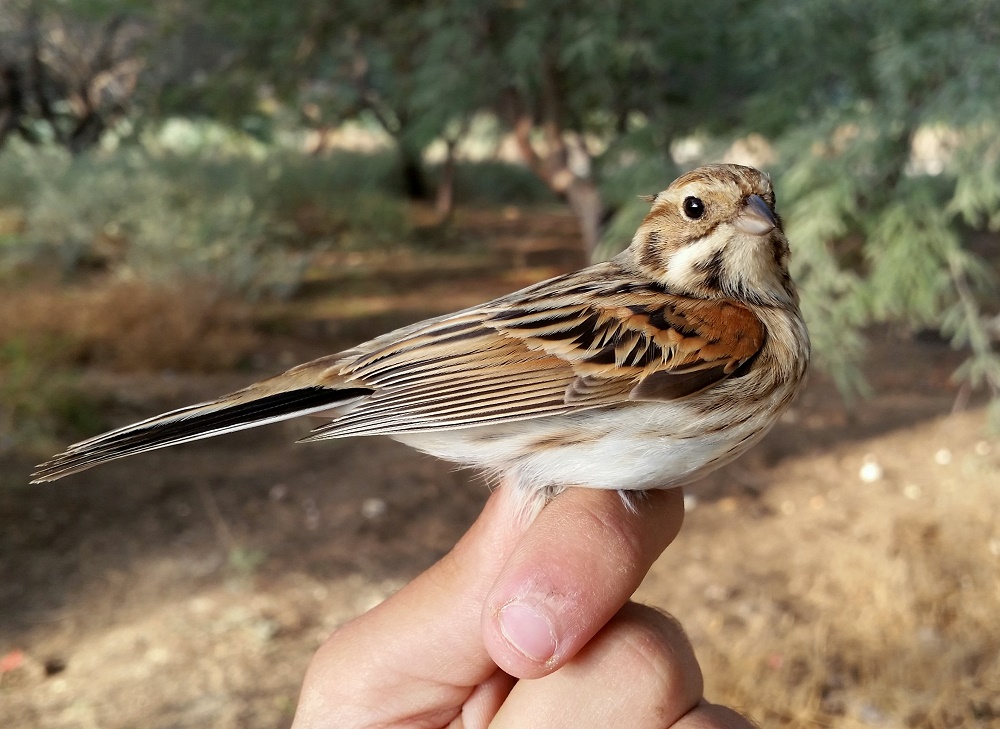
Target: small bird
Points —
{"points": [[646, 371]]}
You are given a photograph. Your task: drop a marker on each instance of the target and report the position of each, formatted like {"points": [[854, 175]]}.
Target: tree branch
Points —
{"points": [[38, 76]]}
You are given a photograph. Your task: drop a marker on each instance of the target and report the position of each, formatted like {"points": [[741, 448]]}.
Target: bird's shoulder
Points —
{"points": [[609, 315]]}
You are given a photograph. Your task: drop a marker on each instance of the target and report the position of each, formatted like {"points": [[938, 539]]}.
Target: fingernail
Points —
{"points": [[526, 630]]}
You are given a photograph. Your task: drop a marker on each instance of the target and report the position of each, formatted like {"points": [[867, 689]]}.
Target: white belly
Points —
{"points": [[629, 448]]}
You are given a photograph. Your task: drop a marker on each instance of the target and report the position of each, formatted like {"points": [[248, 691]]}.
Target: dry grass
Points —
{"points": [[849, 604], [128, 326], [49, 334], [824, 601]]}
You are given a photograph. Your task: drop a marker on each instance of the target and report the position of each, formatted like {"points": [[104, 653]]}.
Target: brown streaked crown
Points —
{"points": [[690, 240]]}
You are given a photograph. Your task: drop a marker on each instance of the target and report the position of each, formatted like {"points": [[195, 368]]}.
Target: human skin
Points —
{"points": [[523, 624]]}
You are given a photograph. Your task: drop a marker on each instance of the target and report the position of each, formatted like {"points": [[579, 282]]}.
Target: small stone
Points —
{"points": [[157, 655], [870, 715], [982, 448], [728, 505], [373, 508], [928, 636], [312, 515], [12, 661], [787, 508], [716, 593], [201, 605], [278, 492], [871, 470], [942, 457], [912, 491], [994, 546]]}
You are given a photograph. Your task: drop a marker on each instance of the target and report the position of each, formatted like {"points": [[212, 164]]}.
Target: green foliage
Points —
{"points": [[817, 215], [890, 165], [627, 171], [36, 402], [248, 223], [358, 195], [90, 211], [244, 562], [499, 183], [881, 116]]}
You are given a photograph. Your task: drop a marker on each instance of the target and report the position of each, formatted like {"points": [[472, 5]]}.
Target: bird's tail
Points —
{"points": [[244, 409]]}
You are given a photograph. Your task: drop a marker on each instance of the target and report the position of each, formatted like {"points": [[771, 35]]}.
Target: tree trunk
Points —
{"points": [[414, 181], [11, 102], [580, 193], [584, 200], [444, 205]]}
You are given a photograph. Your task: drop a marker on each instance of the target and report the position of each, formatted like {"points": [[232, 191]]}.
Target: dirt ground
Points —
{"points": [[846, 573]]}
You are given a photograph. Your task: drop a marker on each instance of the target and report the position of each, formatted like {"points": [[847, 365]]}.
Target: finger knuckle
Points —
{"points": [[655, 649]]}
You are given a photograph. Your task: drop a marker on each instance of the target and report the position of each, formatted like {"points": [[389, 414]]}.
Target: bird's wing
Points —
{"points": [[590, 339]]}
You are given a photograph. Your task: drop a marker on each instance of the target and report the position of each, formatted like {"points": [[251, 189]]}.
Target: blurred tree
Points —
{"points": [[574, 82], [885, 118], [68, 72], [338, 61], [567, 79], [879, 118]]}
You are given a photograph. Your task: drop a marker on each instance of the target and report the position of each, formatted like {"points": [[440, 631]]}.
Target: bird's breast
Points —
{"points": [[633, 447]]}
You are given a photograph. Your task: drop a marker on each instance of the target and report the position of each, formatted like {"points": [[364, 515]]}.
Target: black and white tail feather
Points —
{"points": [[195, 422]]}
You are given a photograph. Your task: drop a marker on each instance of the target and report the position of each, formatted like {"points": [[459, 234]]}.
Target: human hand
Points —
{"points": [[545, 601]]}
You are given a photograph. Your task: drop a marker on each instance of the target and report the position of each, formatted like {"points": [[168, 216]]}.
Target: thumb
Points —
{"points": [[571, 571]]}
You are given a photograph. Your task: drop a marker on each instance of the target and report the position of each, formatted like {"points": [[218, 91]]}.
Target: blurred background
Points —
{"points": [[197, 193]]}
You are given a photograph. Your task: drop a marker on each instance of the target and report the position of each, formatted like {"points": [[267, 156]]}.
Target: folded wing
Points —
{"points": [[595, 338]]}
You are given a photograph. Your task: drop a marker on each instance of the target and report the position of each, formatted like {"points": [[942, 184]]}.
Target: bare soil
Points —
{"points": [[846, 573]]}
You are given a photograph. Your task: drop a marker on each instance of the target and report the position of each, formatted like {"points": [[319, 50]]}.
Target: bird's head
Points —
{"points": [[714, 233]]}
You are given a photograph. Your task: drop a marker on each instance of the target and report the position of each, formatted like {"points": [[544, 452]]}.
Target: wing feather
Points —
{"points": [[590, 339]]}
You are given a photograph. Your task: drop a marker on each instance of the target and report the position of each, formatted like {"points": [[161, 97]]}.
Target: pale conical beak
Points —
{"points": [[756, 217]]}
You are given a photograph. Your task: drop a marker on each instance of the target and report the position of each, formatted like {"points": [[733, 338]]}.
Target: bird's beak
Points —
{"points": [[756, 217]]}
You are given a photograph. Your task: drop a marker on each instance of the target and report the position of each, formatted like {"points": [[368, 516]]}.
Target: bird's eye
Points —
{"points": [[694, 208]]}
